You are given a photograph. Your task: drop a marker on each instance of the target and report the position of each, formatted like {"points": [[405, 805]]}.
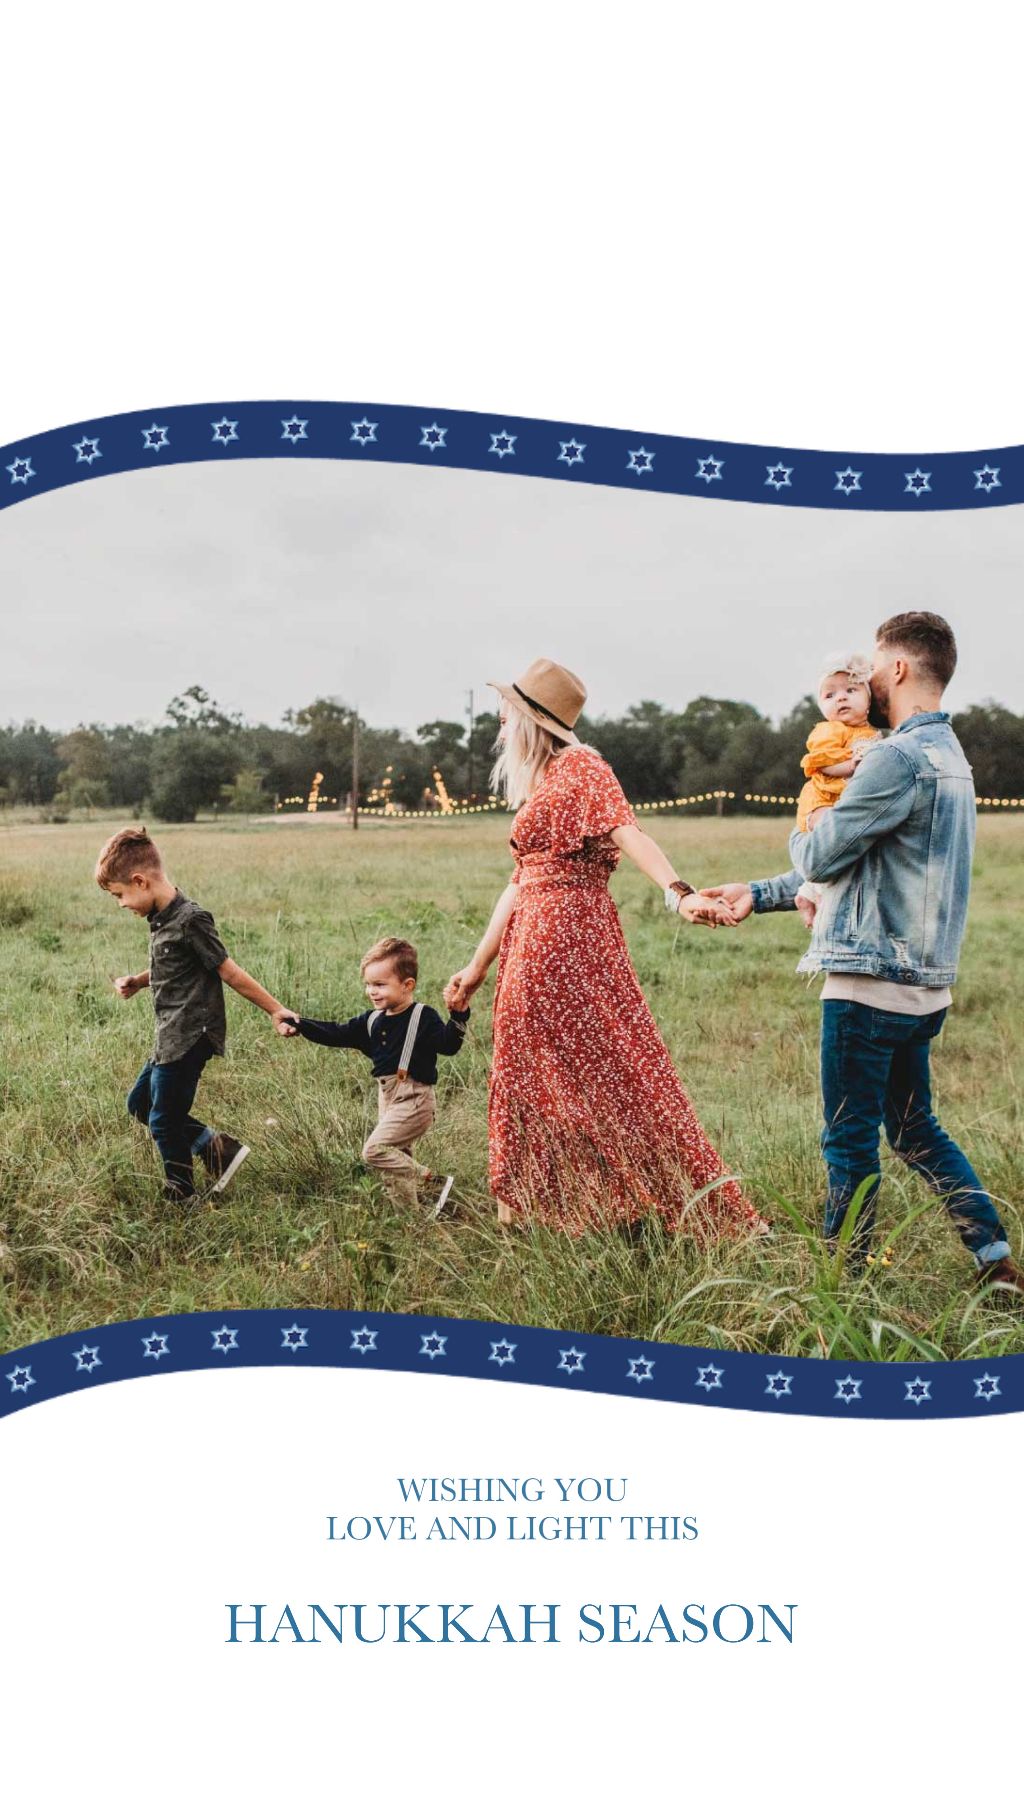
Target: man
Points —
{"points": [[895, 855]]}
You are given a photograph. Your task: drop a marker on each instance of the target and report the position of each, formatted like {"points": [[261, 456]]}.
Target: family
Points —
{"points": [[589, 1123]]}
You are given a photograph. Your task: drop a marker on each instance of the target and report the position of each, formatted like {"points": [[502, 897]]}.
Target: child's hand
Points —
{"points": [[806, 909], [285, 1022], [858, 749], [127, 986]]}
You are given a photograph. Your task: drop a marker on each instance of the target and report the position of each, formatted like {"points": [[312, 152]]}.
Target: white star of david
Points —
{"points": [[778, 1385]]}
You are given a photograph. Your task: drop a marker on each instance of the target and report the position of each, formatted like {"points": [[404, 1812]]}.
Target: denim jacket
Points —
{"points": [[896, 854]]}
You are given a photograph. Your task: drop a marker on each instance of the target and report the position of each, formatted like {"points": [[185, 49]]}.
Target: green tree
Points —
{"points": [[196, 709], [480, 754], [194, 757], [326, 729], [443, 745], [707, 725], [129, 754], [646, 748], [993, 739], [246, 795], [190, 770], [29, 763], [85, 778]]}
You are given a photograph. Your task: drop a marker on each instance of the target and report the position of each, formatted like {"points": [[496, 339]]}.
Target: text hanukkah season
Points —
{"points": [[589, 1623]]}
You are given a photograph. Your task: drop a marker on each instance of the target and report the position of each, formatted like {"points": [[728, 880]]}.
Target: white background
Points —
{"points": [[768, 223]]}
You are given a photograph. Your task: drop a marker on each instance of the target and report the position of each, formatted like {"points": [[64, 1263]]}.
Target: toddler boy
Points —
{"points": [[403, 1040], [187, 963]]}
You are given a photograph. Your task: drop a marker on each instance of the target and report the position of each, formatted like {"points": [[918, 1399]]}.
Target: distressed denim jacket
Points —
{"points": [[896, 854]]}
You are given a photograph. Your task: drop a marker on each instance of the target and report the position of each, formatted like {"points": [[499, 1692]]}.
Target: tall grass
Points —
{"points": [[85, 1237]]}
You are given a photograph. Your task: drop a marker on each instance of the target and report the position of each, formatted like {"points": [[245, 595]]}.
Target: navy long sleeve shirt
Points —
{"points": [[383, 1043]]}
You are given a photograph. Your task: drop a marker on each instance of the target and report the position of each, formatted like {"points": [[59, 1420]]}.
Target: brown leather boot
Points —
{"points": [[1003, 1274]]}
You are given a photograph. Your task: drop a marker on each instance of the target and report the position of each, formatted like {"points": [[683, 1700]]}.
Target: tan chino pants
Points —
{"points": [[405, 1110]]}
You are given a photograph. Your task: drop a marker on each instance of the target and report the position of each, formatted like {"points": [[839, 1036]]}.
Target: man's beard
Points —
{"points": [[878, 712]]}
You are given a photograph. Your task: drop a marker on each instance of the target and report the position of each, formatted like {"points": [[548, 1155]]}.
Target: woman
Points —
{"points": [[588, 1120]]}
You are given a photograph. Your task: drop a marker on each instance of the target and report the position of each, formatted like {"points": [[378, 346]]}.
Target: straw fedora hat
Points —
{"points": [[549, 694]]}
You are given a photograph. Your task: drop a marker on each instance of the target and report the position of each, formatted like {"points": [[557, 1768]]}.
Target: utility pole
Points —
{"points": [[355, 769], [471, 723]]}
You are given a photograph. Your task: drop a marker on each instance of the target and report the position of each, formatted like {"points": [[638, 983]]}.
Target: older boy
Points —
{"points": [[403, 1041], [187, 964]]}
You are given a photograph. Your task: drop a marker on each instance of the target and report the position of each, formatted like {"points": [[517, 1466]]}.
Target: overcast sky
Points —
{"points": [[273, 582]]}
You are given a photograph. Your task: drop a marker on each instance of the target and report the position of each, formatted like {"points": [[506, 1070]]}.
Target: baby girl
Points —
{"points": [[835, 746]]}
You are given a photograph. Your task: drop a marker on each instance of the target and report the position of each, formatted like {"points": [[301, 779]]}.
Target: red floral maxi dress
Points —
{"points": [[588, 1120]]}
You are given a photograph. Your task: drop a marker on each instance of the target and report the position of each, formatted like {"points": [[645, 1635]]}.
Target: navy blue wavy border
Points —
{"points": [[522, 1355], [431, 437]]}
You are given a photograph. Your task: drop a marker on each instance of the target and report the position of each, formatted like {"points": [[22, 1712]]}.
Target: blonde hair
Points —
{"points": [[128, 851], [401, 954], [523, 754]]}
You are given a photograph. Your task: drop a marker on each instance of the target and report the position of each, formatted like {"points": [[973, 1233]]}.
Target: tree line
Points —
{"points": [[201, 758]]}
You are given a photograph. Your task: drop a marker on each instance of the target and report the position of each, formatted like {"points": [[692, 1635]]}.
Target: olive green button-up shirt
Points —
{"points": [[185, 952]]}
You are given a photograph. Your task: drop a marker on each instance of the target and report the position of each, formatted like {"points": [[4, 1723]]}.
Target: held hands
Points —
{"points": [[741, 900], [285, 1022], [699, 907], [737, 899], [461, 987]]}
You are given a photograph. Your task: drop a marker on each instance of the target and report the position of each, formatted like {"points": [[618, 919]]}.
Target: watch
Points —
{"points": [[675, 891]]}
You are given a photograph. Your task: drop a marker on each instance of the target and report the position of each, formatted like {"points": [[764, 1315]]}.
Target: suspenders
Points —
{"points": [[410, 1039]]}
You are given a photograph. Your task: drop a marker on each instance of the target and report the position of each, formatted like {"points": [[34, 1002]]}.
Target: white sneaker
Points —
{"points": [[438, 1206], [228, 1155]]}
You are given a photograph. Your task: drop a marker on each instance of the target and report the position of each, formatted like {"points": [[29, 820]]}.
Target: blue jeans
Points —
{"points": [[161, 1099], [874, 1071]]}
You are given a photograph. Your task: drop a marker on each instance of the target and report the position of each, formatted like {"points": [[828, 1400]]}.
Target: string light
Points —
{"points": [[492, 805]]}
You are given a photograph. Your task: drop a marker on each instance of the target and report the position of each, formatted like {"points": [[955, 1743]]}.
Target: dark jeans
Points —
{"points": [[874, 1071], [162, 1099]]}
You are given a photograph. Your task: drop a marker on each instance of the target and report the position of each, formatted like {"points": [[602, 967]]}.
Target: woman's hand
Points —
{"points": [[738, 897], [713, 911], [461, 986]]}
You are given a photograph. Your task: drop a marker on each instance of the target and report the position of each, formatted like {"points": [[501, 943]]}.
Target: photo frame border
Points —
{"points": [[580, 454]]}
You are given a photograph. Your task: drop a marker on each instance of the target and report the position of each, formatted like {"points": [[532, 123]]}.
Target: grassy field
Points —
{"points": [[85, 1238]]}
